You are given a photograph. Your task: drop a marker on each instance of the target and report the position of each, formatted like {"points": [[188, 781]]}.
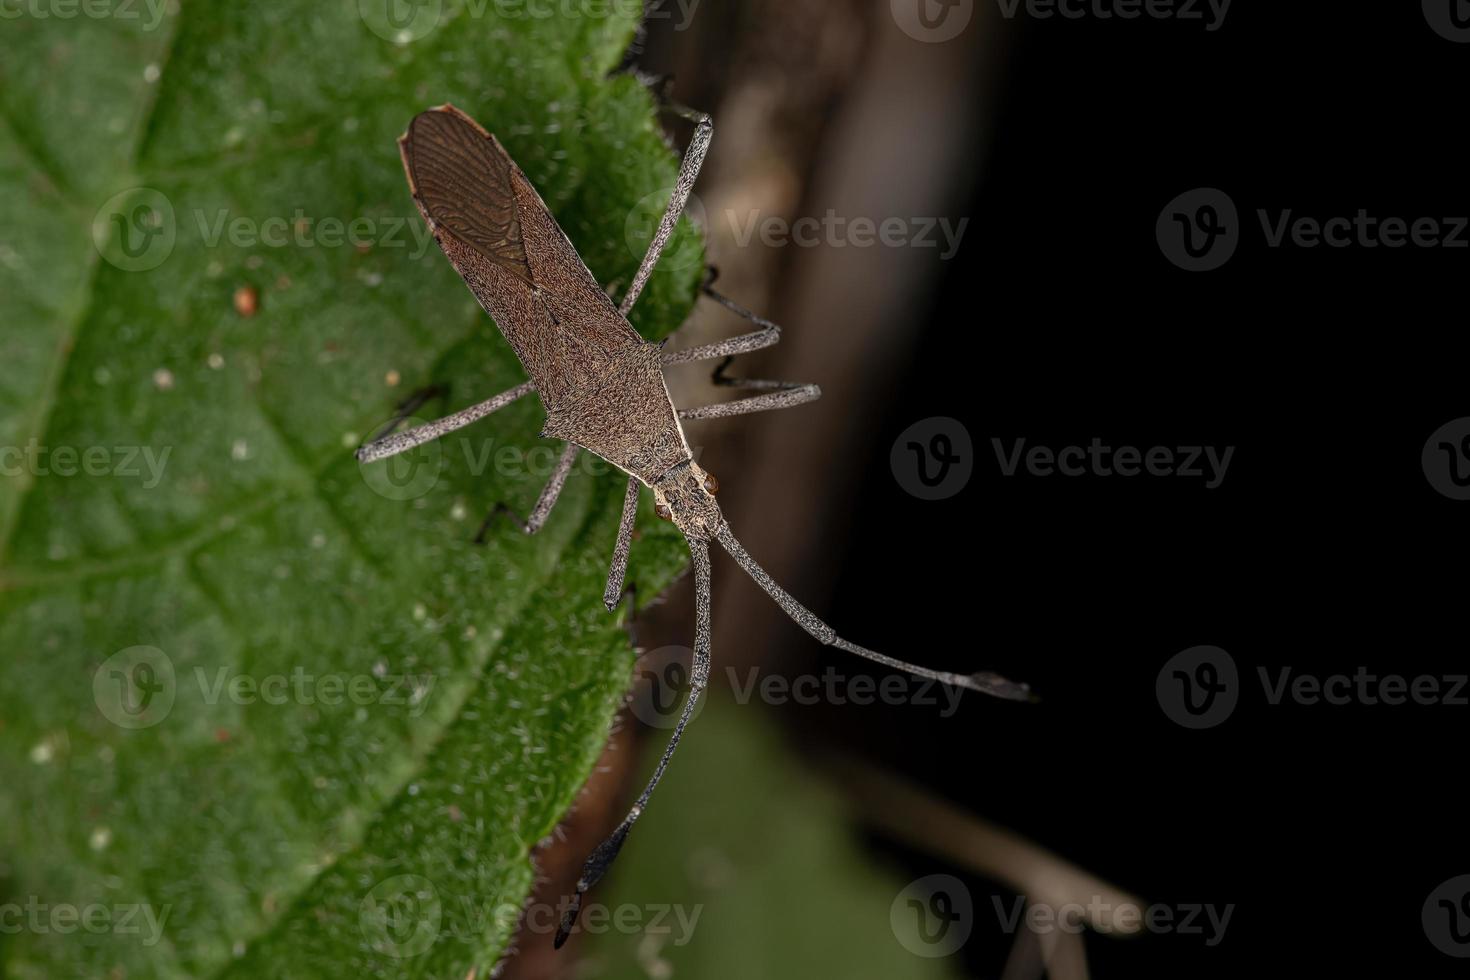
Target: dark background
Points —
{"points": [[1324, 550]]}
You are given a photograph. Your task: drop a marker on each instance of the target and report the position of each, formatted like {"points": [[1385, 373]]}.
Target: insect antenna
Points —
{"points": [[984, 682], [597, 864]]}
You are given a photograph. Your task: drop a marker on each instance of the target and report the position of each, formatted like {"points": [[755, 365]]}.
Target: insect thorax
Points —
{"points": [[627, 418]]}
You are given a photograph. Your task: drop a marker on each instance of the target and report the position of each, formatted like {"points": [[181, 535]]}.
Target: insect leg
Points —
{"points": [[408, 407], [392, 445], [768, 335], [779, 394], [603, 856], [704, 130], [613, 594], [784, 395], [985, 683], [549, 495]]}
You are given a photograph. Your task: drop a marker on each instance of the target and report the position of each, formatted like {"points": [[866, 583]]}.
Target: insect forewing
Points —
{"points": [[504, 243]]}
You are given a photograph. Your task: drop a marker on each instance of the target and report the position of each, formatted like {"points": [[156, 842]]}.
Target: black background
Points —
{"points": [[1325, 549]]}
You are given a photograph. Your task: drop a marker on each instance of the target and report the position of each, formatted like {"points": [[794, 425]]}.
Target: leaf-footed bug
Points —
{"points": [[601, 384]]}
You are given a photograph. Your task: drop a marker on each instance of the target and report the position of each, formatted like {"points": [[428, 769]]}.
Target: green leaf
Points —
{"points": [[253, 697], [737, 824]]}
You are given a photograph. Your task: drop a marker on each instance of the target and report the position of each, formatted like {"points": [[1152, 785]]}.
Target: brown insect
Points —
{"points": [[601, 384]]}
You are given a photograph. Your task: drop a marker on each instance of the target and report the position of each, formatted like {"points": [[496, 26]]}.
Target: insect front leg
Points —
{"points": [[410, 405], [704, 132], [391, 443]]}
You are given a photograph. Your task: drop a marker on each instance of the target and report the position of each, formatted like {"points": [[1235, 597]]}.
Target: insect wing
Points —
{"points": [[505, 244]]}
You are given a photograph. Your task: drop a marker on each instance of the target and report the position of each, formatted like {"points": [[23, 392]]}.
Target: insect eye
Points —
{"points": [[662, 512], [711, 484]]}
